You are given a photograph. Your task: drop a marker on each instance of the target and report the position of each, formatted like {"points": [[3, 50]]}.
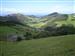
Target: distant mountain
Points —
{"points": [[18, 18], [55, 19], [53, 14], [34, 21], [12, 18], [56, 16]]}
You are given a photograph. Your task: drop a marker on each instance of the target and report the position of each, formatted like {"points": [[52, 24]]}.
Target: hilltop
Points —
{"points": [[56, 19]]}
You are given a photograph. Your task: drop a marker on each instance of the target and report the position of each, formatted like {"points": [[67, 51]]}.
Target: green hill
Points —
{"points": [[18, 24], [7, 30], [37, 26], [55, 19], [52, 46], [48, 20]]}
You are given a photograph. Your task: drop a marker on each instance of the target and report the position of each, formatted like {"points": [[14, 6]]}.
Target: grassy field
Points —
{"points": [[6, 30], [52, 46], [9, 30]]}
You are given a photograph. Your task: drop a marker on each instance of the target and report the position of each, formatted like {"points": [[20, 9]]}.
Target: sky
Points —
{"points": [[35, 7]]}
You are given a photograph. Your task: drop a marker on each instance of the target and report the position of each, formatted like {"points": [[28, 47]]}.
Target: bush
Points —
{"points": [[19, 38], [63, 30], [28, 36]]}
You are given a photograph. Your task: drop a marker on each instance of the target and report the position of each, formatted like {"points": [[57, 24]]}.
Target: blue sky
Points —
{"points": [[37, 6]]}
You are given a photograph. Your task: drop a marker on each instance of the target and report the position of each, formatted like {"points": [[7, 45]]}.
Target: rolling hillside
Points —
{"points": [[52, 46], [55, 19], [16, 24], [41, 36], [38, 22], [36, 26]]}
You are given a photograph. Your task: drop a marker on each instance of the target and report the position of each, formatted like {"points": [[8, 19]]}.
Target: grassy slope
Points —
{"points": [[53, 46], [4, 30], [54, 21], [59, 23], [68, 21], [38, 25]]}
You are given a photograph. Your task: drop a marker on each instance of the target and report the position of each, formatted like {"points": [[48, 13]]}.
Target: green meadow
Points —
{"points": [[52, 46]]}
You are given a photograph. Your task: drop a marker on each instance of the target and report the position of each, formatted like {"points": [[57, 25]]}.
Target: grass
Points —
{"points": [[52, 46], [6, 30], [66, 22], [38, 25], [60, 23], [54, 21]]}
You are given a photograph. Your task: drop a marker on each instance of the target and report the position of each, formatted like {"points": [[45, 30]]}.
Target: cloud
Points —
{"points": [[37, 7], [11, 10], [39, 10]]}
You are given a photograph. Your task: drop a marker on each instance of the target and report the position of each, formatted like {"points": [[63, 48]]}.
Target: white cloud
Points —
{"points": [[38, 10], [11, 10]]}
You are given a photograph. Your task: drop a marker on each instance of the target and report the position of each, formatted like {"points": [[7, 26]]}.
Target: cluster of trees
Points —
{"points": [[50, 31], [63, 30]]}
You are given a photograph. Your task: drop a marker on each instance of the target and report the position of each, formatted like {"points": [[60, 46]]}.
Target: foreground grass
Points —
{"points": [[52, 46]]}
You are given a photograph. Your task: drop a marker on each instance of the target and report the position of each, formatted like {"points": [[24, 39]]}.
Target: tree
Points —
{"points": [[27, 36], [19, 38]]}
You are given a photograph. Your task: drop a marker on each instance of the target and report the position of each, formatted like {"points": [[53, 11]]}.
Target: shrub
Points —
{"points": [[19, 38]]}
